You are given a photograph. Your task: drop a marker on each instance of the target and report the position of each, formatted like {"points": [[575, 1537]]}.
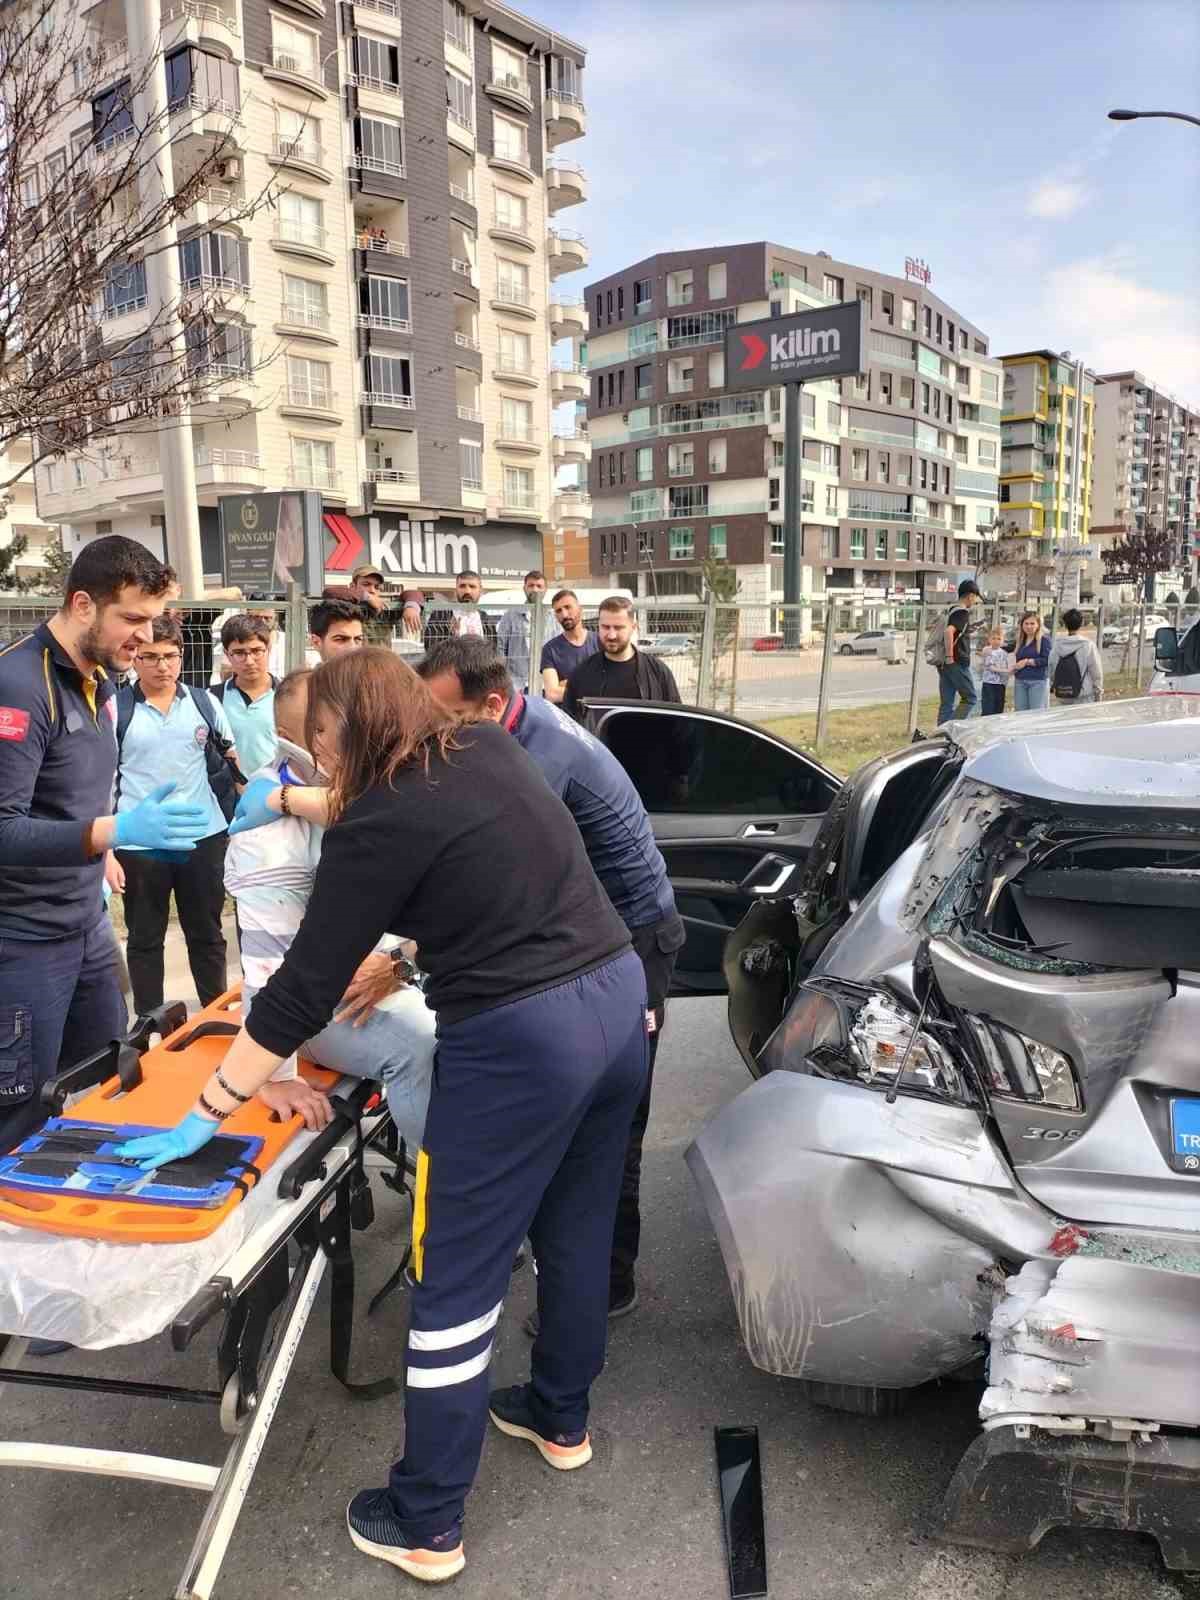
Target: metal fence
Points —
{"points": [[820, 686]]}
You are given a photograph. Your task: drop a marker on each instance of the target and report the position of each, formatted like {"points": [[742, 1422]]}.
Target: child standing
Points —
{"points": [[997, 666]]}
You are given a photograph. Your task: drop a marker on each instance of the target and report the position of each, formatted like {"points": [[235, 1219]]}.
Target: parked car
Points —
{"points": [[670, 644], [1121, 633], [1177, 660], [769, 641], [871, 643], [967, 984]]}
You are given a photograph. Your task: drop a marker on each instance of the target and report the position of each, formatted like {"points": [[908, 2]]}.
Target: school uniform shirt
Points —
{"points": [[166, 747], [252, 721]]}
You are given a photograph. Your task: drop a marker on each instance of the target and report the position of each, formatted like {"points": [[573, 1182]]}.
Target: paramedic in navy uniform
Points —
{"points": [[60, 992], [428, 836]]}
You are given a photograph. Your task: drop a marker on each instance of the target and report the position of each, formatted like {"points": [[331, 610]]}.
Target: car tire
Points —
{"points": [[862, 1402], [846, 650]]}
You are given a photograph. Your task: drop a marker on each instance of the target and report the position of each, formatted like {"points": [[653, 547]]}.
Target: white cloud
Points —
{"points": [[1055, 198], [1105, 313]]}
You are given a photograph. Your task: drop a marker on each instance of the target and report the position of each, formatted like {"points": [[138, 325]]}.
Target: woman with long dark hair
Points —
{"points": [[541, 1062]]}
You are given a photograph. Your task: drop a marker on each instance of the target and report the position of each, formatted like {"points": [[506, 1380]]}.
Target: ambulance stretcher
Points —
{"points": [[253, 1271]]}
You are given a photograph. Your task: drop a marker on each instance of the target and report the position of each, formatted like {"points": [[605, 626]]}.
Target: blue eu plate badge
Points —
{"points": [[1185, 1136]]}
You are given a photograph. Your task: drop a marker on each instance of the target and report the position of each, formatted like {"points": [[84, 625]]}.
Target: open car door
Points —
{"points": [[734, 810]]}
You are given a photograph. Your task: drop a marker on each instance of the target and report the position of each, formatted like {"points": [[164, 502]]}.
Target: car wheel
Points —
{"points": [[863, 1402], [846, 650]]}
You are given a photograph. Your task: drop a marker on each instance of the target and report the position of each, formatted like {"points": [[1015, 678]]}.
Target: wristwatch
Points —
{"points": [[403, 970]]}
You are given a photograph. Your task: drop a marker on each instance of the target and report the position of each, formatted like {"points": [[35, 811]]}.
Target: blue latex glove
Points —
{"points": [[252, 809], [157, 823], [156, 1149]]}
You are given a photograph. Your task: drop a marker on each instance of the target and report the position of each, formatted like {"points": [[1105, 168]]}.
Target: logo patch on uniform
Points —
{"points": [[201, 735], [14, 723], [651, 1022]]}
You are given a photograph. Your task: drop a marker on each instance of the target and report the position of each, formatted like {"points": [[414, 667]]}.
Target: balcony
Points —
{"points": [[460, 130], [567, 185], [302, 71], [565, 251], [398, 402], [682, 295], [514, 161], [210, 207], [302, 239], [222, 468], [572, 508], [511, 89], [221, 386], [207, 117], [383, 324], [515, 298], [516, 503], [198, 22], [301, 155], [565, 117], [511, 369], [310, 400], [388, 486], [568, 383], [470, 414], [466, 341], [312, 322], [376, 164], [465, 195], [568, 319], [513, 231], [518, 436], [327, 479], [463, 269], [572, 449]]}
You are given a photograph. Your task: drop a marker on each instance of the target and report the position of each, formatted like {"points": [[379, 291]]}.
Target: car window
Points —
{"points": [[688, 765]]}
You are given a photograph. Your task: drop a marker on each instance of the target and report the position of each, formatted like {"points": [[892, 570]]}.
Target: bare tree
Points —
{"points": [[83, 210]]}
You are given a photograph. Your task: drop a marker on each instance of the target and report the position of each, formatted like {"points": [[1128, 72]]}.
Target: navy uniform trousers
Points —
{"points": [[526, 1135]]}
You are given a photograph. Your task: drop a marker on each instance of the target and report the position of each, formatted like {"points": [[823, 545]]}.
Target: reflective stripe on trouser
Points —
{"points": [[527, 1128]]}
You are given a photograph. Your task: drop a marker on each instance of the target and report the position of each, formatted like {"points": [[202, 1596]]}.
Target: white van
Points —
{"points": [[1177, 659]]}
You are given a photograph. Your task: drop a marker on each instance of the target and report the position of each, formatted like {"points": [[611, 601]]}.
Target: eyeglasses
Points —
{"points": [[254, 653], [171, 659]]}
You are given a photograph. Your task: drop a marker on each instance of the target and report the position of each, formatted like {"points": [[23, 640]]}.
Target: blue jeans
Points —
{"points": [[955, 683], [395, 1045], [1031, 696], [60, 1001]]}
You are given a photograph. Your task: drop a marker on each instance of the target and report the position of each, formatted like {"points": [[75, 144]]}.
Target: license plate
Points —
{"points": [[1185, 1136]]}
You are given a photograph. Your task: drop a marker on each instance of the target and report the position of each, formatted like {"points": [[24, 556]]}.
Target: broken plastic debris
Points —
{"points": [[1067, 1240]]}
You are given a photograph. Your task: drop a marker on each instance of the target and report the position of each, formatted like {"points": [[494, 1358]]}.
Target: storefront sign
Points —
{"points": [[424, 549], [917, 270], [271, 540], [830, 343]]}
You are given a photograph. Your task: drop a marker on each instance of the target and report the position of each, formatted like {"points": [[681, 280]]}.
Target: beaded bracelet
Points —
{"points": [[213, 1112], [230, 1090]]}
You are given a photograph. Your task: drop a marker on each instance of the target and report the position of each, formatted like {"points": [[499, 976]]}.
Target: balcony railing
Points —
{"points": [[304, 316], [557, 164], [200, 11], [315, 398], [302, 477], [388, 8], [513, 82], [461, 117], [206, 457], [569, 366], [463, 268], [123, 307], [519, 500], [110, 138], [470, 414], [567, 96], [518, 432], [520, 156], [302, 66], [690, 341], [513, 225], [218, 372], [214, 282], [386, 324], [466, 341], [307, 150], [473, 483], [306, 233], [467, 196], [378, 397], [513, 294], [681, 297], [514, 367], [368, 80], [387, 247], [389, 475], [366, 163], [215, 197]]}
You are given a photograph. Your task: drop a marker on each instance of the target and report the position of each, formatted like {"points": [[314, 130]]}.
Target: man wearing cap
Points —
{"points": [[955, 682], [366, 587]]}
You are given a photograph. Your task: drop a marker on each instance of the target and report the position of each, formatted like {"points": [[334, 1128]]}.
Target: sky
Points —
{"points": [[967, 132]]}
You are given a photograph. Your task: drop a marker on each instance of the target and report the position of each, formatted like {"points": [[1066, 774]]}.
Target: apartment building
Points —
{"points": [[900, 473], [1145, 472], [19, 516], [1046, 464], [389, 318]]}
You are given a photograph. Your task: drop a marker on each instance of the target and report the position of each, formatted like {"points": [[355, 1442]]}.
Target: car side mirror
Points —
{"points": [[1166, 648]]}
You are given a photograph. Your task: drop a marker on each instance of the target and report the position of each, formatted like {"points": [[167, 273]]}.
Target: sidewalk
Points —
{"points": [[177, 983]]}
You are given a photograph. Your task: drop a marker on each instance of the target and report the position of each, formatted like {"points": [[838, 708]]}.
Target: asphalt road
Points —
{"points": [[850, 1503]]}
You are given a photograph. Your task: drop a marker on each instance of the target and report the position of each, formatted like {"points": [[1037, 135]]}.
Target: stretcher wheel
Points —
{"points": [[233, 1413]]}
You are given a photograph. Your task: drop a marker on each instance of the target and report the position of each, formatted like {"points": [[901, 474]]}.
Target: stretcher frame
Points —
{"points": [[276, 1272]]}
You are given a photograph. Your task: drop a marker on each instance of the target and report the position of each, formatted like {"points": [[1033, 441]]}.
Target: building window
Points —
{"points": [[470, 463], [887, 305], [883, 467], [833, 414], [858, 544], [830, 456], [305, 302], [389, 379], [518, 488], [295, 49], [832, 287], [515, 351], [717, 543], [682, 544], [902, 544], [808, 496], [865, 297], [308, 383], [858, 465], [512, 212], [908, 316], [314, 463], [928, 322], [987, 452], [643, 381], [829, 542], [774, 494], [516, 420], [643, 295], [831, 500], [645, 464], [620, 303], [385, 302], [509, 140], [124, 288], [717, 455], [220, 351], [206, 79], [379, 145], [885, 388], [881, 544], [460, 99], [301, 219], [989, 387], [457, 25], [958, 517], [219, 260], [376, 63], [296, 135], [689, 500], [512, 282], [717, 281]]}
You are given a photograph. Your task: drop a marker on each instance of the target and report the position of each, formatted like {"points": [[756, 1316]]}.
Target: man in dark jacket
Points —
{"points": [[463, 620], [619, 671]]}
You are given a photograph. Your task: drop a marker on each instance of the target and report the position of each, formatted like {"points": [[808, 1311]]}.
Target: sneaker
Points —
{"points": [[510, 1411], [620, 1303], [375, 1530]]}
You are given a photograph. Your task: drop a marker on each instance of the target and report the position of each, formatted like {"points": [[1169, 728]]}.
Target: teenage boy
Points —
{"points": [[568, 649], [335, 626], [165, 731], [248, 697], [955, 682]]}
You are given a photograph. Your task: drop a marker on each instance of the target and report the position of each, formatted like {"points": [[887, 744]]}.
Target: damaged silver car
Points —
{"points": [[974, 1138]]}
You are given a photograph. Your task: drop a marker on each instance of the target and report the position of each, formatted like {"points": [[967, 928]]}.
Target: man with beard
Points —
{"points": [[60, 992]]}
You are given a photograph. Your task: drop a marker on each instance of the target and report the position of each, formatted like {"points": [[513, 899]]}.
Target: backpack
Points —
{"points": [[223, 773], [935, 640], [1068, 677]]}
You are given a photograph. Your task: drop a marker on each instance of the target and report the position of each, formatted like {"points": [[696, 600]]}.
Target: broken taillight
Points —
{"points": [[1021, 1068], [870, 1037]]}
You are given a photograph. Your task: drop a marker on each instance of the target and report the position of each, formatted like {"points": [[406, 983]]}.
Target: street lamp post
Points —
{"points": [[1133, 116]]}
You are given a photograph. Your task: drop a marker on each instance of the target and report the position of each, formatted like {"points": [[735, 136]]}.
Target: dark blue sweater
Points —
{"points": [[1028, 651]]}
